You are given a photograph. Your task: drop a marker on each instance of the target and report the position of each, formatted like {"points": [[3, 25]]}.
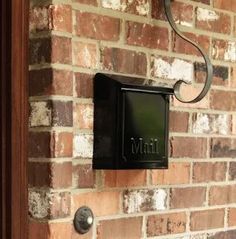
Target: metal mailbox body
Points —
{"points": [[130, 123]]}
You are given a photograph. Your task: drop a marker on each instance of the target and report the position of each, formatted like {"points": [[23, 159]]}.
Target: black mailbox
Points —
{"points": [[130, 123]]}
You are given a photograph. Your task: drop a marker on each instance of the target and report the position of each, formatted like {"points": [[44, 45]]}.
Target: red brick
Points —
{"points": [[177, 173], [124, 178], [62, 113], [224, 50], [84, 54], [40, 51], [39, 230], [61, 50], [187, 197], [233, 77], [62, 143], [84, 85], [50, 50], [76, 235], [83, 176], [234, 30], [223, 148], [189, 93], [224, 235], [220, 74], [232, 171], [141, 34], [120, 228], [208, 219], [38, 174], [181, 46], [51, 17], [39, 145], [165, 224], [229, 5], [223, 100], [51, 113], [60, 230], [60, 205], [50, 82], [209, 172], [50, 145], [221, 23], [61, 17], [219, 48], [220, 195], [83, 116], [97, 27], [232, 217], [124, 61], [110, 202], [61, 175], [182, 13], [188, 147], [179, 121]]}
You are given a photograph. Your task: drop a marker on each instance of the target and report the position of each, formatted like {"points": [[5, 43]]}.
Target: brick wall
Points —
{"points": [[71, 40]]}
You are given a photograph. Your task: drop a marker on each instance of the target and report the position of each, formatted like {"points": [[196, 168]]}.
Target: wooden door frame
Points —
{"points": [[14, 119]]}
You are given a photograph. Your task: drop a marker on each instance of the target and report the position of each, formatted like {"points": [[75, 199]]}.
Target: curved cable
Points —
{"points": [[209, 67]]}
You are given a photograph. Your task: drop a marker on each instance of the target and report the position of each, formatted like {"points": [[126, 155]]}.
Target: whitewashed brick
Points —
{"points": [[144, 200], [39, 204], [213, 124], [39, 19], [230, 52], [41, 114], [142, 7], [175, 69], [83, 146], [206, 15]]}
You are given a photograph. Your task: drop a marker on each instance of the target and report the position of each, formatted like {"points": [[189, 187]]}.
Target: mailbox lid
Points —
{"points": [[144, 135]]}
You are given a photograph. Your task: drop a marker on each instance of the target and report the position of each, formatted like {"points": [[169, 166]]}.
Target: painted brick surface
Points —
{"points": [[144, 200], [135, 7], [213, 21], [70, 41]]}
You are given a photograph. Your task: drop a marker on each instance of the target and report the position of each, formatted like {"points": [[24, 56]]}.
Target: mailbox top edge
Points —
{"points": [[133, 83]]}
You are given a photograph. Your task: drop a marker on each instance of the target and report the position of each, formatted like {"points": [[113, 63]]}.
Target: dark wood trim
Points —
{"points": [[5, 118], [14, 118]]}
